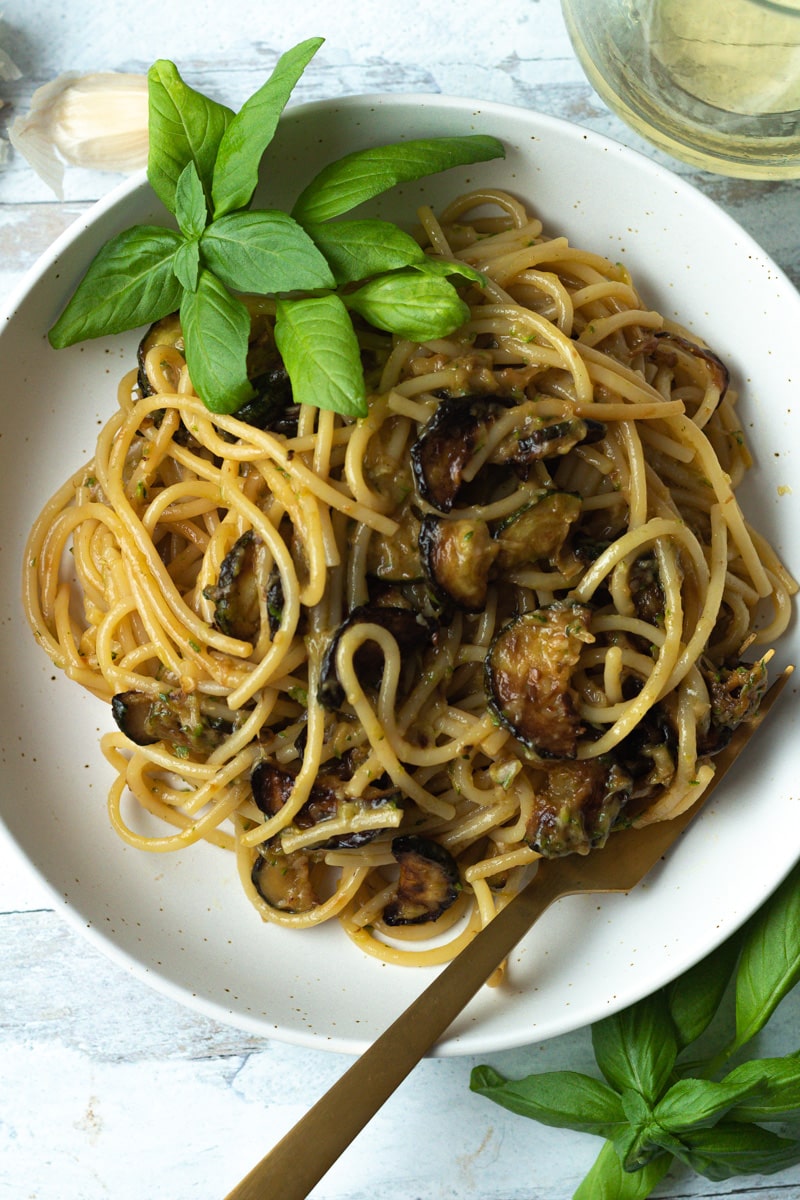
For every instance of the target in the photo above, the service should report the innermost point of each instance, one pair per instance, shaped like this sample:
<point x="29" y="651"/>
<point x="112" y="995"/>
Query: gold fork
<point x="311" y="1148"/>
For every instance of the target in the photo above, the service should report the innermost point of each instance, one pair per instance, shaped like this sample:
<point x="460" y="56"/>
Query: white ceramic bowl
<point x="180" y="922"/>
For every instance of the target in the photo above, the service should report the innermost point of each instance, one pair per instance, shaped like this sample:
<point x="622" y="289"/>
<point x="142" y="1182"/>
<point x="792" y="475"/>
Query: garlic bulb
<point x="97" y="121"/>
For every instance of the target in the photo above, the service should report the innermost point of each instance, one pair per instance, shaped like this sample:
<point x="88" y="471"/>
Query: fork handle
<point x="313" y="1145"/>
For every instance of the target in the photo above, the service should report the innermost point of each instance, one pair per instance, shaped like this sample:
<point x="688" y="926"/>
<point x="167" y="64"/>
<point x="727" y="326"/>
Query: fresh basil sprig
<point x="661" y="1102"/>
<point x="204" y="163"/>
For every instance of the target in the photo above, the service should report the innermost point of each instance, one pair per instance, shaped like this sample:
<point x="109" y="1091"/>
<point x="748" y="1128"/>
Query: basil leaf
<point x="216" y="330"/>
<point x="695" y="996"/>
<point x="129" y="282"/>
<point x="735" y="1148"/>
<point x="643" y="1138"/>
<point x="637" y="1110"/>
<point x="638" y="1145"/>
<point x="264" y="252"/>
<point x="701" y="1103"/>
<point x="366" y="173"/>
<point x="184" y="126"/>
<point x="359" y="249"/>
<point x="636" y="1048"/>
<point x="776" y="1089"/>
<point x="190" y="202"/>
<point x="564" y="1099"/>
<point x="205" y="159"/>
<point x="321" y="354"/>
<point x="769" y="966"/>
<point x="186" y="265"/>
<point x="607" y="1180"/>
<point x="252" y="129"/>
<point x="412" y="306"/>
<point x="446" y="268"/>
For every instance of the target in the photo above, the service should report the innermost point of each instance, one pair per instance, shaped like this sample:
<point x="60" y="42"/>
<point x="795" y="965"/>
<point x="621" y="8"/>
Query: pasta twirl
<point x="391" y="663"/>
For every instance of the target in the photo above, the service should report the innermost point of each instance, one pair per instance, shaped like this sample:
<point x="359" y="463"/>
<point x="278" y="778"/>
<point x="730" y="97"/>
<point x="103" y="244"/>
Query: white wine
<point x="714" y="82"/>
<point x="739" y="56"/>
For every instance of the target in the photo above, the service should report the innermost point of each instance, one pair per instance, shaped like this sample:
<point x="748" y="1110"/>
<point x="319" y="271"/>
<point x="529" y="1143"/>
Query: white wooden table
<point x="108" y="1089"/>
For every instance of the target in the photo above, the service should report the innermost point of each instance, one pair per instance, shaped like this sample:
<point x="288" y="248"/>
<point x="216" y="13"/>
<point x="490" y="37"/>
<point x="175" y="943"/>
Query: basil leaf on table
<point x="184" y="126"/>
<point x="412" y="306"/>
<point x="264" y="252"/>
<point x="607" y="1179"/>
<point x="642" y="1139"/>
<point x="129" y="282"/>
<point x="637" y="1048"/>
<point x="319" y="348"/>
<point x="736" y="1148"/>
<point x="776" y="1090"/>
<point x="715" y="1127"/>
<point x="250" y="132"/>
<point x="216" y="331"/>
<point x="363" y="174"/>
<point x="564" y="1099"/>
<point x="769" y="966"/>
<point x="694" y="998"/>
<point x="700" y="1103"/>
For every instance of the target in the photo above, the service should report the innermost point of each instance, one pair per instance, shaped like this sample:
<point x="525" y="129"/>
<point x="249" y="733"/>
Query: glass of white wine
<point x="714" y="82"/>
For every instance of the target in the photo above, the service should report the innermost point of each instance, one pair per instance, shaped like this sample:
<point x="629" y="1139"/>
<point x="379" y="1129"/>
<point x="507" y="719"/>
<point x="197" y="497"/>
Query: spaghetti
<point x="390" y="663"/>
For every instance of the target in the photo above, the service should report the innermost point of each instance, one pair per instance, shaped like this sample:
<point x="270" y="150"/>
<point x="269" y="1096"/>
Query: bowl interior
<point x="180" y="921"/>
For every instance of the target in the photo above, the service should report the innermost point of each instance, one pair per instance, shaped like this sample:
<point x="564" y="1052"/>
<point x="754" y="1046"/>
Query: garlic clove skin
<point x="97" y="121"/>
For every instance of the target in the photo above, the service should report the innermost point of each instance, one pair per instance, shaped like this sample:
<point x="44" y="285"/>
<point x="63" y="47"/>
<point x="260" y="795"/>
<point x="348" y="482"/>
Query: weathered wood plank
<point x="141" y="1097"/>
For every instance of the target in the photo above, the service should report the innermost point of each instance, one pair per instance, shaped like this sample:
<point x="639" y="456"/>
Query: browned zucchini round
<point x="527" y="677"/>
<point x="668" y="345"/>
<point x="179" y="718"/>
<point x="447" y="443"/>
<point x="284" y="880"/>
<point x="537" y="530"/>
<point x="395" y="558"/>
<point x="237" y="595"/>
<point x="411" y="630"/>
<point x="272" y="786"/>
<point x="428" y="883"/>
<point x="577" y="807"/>
<point x="530" y="444"/>
<point x="458" y="557"/>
